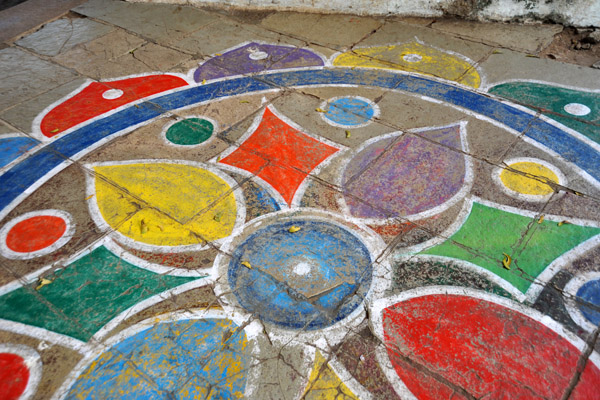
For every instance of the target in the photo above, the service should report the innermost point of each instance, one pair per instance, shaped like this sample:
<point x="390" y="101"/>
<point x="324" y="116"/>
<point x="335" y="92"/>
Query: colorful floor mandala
<point x="330" y="248"/>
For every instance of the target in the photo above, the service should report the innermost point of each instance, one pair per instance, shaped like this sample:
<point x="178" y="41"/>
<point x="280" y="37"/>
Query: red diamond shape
<point x="279" y="154"/>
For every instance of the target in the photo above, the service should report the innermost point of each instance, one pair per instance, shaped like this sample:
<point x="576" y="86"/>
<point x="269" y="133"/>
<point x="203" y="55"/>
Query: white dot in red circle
<point x="112" y="94"/>
<point x="35" y="234"/>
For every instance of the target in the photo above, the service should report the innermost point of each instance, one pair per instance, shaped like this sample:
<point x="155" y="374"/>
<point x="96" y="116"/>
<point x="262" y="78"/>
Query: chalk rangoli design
<point x="354" y="259"/>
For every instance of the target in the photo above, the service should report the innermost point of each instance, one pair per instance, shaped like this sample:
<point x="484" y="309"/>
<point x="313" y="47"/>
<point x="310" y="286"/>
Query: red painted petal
<point x="100" y="97"/>
<point x="440" y="343"/>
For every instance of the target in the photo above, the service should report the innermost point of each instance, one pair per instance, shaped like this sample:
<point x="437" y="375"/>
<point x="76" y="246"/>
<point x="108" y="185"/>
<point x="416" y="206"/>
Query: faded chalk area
<point x="209" y="203"/>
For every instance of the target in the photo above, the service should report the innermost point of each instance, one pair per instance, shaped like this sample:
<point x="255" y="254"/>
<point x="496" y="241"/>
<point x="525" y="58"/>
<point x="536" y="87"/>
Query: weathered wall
<point x="568" y="12"/>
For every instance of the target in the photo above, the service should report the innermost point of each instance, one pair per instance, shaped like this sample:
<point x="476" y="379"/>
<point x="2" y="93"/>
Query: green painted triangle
<point x="85" y="295"/>
<point x="488" y="232"/>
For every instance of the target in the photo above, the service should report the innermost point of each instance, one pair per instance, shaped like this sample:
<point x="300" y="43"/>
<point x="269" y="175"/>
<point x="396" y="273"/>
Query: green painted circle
<point x="190" y="131"/>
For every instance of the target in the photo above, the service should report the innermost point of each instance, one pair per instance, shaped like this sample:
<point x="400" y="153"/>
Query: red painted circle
<point x="14" y="376"/>
<point x="35" y="233"/>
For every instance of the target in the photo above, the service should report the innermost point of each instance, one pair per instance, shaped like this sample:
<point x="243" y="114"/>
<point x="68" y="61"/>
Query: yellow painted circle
<point x="533" y="182"/>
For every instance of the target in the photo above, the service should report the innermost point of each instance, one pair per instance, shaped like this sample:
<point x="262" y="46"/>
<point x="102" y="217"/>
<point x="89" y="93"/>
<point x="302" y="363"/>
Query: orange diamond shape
<point x="280" y="154"/>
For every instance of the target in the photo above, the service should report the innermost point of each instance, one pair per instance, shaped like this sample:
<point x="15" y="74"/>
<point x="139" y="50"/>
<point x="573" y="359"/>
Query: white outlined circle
<point x="412" y="58"/>
<point x="571" y="305"/>
<point x="60" y="242"/>
<point x="33" y="362"/>
<point x="577" y="109"/>
<point x="562" y="180"/>
<point x="163" y="133"/>
<point x="121" y="238"/>
<point x="325" y="106"/>
<point x="112" y="94"/>
<point x="338" y="330"/>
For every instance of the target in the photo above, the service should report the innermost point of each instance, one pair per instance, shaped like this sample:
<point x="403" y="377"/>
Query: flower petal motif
<point x="165" y="204"/>
<point x="413" y="57"/>
<point x="443" y="345"/>
<point x="405" y="174"/>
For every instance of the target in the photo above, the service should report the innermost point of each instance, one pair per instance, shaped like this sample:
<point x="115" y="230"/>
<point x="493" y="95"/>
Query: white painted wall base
<point x="569" y="12"/>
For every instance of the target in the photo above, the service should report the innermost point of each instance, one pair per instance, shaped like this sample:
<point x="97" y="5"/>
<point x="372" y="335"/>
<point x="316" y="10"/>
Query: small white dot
<point x="258" y="55"/>
<point x="412" y="58"/>
<point x="577" y="109"/>
<point x="112" y="94"/>
<point x="302" y="268"/>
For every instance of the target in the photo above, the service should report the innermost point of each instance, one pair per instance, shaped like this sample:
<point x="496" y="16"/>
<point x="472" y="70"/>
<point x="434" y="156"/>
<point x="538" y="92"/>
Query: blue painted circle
<point x="309" y="279"/>
<point x="349" y="111"/>
<point x="590" y="293"/>
<point x="179" y="360"/>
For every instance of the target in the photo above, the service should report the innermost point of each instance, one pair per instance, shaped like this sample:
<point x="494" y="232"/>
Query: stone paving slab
<point x="211" y="204"/>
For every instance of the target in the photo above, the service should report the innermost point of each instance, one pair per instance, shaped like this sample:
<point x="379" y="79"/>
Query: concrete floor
<point x="208" y="204"/>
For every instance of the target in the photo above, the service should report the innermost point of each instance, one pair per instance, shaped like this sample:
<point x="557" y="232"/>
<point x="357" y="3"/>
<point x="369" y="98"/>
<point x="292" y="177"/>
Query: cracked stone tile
<point x="26" y="76"/>
<point x="337" y="31"/>
<point x="63" y="34"/>
<point x="525" y="38"/>
<point x="22" y="115"/>
<point x="504" y="65"/>
<point x="120" y="54"/>
<point x="164" y="23"/>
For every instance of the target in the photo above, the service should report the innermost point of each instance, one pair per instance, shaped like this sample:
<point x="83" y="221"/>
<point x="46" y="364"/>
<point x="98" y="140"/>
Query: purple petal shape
<point x="405" y="175"/>
<point x="256" y="57"/>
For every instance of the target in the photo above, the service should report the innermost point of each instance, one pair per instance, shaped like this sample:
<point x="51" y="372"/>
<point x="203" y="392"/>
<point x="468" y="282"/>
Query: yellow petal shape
<point x="533" y="184"/>
<point x="412" y="57"/>
<point x="165" y="204"/>
<point x="324" y="384"/>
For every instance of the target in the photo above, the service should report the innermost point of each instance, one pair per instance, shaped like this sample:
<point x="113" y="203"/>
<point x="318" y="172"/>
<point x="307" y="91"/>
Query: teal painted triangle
<point x="489" y="232"/>
<point x="85" y="295"/>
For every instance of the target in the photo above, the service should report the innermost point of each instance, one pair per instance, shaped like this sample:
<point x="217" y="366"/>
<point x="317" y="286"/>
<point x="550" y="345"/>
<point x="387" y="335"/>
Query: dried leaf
<point x="203" y="81"/>
<point x="531" y="56"/>
<point x="246" y="264"/>
<point x="541" y="219"/>
<point x="54" y="130"/>
<point x="561" y="223"/>
<point x="294" y="229"/>
<point x="506" y="261"/>
<point x="218" y="54"/>
<point x="244" y="101"/>
<point x="217" y="216"/>
<point x="43" y="282"/>
<point x="347" y="134"/>
<point x="320" y="110"/>
<point x="89" y="197"/>
<point x="496" y="52"/>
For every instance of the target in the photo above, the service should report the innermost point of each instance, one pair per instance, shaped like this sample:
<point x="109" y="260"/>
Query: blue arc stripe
<point x="26" y="173"/>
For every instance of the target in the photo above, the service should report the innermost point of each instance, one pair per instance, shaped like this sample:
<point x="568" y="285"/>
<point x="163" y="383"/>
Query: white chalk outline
<point x="234" y="74"/>
<point x="23" y="155"/>
<point x="570" y="299"/>
<point x="37" y="122"/>
<point x="538" y="283"/>
<point x="32" y="360"/>
<point x="376" y="322"/>
<point x="76" y="344"/>
<point x="253" y="333"/>
<point x="458" y="196"/>
<point x="325" y="106"/>
<point x="163" y="133"/>
<point x="496" y="178"/>
<point x="474" y="65"/>
<point x="104" y="226"/>
<point x="278" y="197"/>
<point x="335" y="332"/>
<point x="68" y="234"/>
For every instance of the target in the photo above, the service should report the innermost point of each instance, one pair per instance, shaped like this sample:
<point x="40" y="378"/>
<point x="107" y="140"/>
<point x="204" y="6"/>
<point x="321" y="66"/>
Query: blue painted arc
<point x="32" y="169"/>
